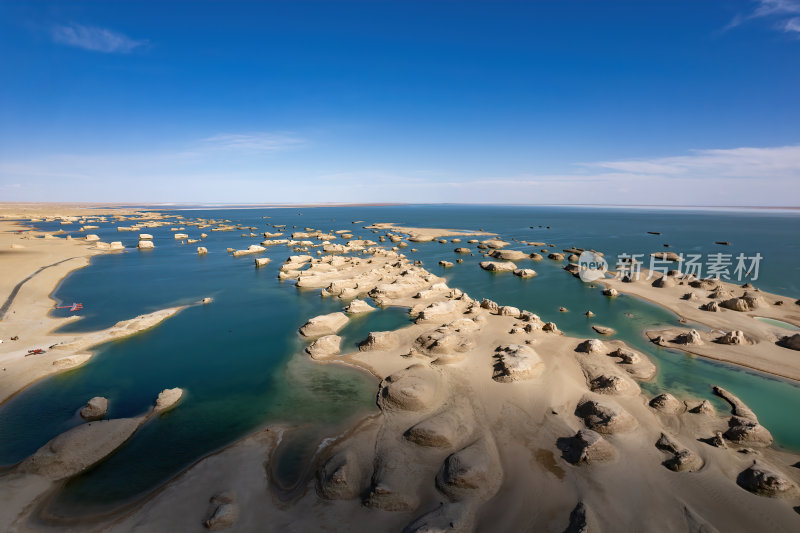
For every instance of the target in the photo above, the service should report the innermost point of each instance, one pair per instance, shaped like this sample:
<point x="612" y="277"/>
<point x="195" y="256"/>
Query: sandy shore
<point x="33" y="263"/>
<point x="425" y="234"/>
<point x="490" y="420"/>
<point x="761" y="350"/>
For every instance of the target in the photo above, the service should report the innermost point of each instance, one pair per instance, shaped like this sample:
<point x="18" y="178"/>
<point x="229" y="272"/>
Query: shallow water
<point x="778" y="323"/>
<point x="240" y="359"/>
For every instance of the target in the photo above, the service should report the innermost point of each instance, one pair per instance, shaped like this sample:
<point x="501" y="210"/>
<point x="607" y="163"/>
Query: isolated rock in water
<point x="262" y="261"/>
<point x="611" y="292"/>
<point x="508" y="255"/>
<point x="462" y="250"/>
<point x="733" y="337"/>
<point x="252" y="249"/>
<point x="202" y="250"/>
<point x="589" y="314"/>
<point x="586" y="447"/>
<point x="76" y="450"/>
<point x="324" y="325"/>
<point x="666" y="403"/>
<point x="95" y="409"/>
<point x="341" y="477"/>
<point x="325" y="347"/>
<point x="494" y="266"/>
<point x="515" y="362"/>
<point x="555" y="256"/>
<point x="380" y="340"/>
<point x="145" y="237"/>
<point x="690" y="337"/>
<point x="592" y="346"/>
<point x="791" y="342"/>
<point x="223" y="512"/>
<point x="445" y="264"/>
<point x="145" y="245"/>
<point x="666" y="256"/>
<point x="573" y="268"/>
<point x="602" y="330"/>
<point x="605" y="417"/>
<point x="358" y="306"/>
<point x="765" y="481"/>
<point x="525" y="272"/>
<point x="167" y="399"/>
<point x="181" y="236"/>
<point x="495" y="243"/>
<point x="207" y="300"/>
<point x="683" y="459"/>
<point x="116" y="245"/>
<point x="92" y="237"/>
<point x="536" y="257"/>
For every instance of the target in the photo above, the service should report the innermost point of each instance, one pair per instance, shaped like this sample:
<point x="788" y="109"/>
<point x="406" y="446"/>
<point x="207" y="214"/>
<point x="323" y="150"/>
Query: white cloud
<point x="792" y="25"/>
<point x="252" y="142"/>
<point x="773" y="9"/>
<point x="95" y="39"/>
<point x="777" y="162"/>
<point x="767" y="176"/>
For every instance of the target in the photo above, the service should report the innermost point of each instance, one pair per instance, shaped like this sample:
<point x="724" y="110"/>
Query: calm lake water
<point x="240" y="359"/>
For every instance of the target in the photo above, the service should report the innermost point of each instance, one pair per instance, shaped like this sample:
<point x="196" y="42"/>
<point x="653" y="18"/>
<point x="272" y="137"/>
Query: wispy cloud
<point x="235" y="170"/>
<point x="95" y="39"/>
<point x="252" y="142"/>
<point x="748" y="163"/>
<point x="792" y="25"/>
<point x="782" y="12"/>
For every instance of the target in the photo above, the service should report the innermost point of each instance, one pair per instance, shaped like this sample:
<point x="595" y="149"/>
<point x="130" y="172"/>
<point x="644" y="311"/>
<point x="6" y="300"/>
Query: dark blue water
<point x="241" y="362"/>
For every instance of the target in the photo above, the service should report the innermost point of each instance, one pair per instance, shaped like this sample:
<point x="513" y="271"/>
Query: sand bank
<point x="761" y="349"/>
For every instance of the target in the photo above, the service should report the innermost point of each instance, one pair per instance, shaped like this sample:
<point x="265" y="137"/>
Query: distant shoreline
<point x="188" y="206"/>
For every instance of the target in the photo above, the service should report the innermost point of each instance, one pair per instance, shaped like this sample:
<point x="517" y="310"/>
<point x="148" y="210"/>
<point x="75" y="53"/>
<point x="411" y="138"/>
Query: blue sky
<point x="674" y="102"/>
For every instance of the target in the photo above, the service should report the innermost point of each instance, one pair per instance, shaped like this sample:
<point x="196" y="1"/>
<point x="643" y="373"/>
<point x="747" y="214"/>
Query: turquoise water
<point x="778" y="323"/>
<point x="240" y="359"/>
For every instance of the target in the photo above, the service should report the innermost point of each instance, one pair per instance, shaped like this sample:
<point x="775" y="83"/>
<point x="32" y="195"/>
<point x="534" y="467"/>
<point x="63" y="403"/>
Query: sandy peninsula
<point x="730" y="313"/>
<point x="33" y="263"/>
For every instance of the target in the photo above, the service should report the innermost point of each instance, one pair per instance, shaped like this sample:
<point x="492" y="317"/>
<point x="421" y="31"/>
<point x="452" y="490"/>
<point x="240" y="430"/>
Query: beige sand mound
<point x="79" y="448"/>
